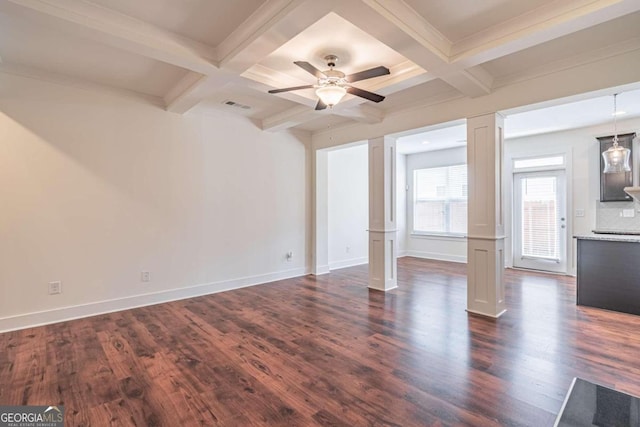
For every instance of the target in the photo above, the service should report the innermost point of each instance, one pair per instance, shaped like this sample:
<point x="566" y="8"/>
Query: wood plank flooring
<point x="327" y="351"/>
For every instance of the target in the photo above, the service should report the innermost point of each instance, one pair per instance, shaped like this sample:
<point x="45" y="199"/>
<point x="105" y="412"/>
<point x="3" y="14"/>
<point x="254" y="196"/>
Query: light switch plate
<point x="579" y="212"/>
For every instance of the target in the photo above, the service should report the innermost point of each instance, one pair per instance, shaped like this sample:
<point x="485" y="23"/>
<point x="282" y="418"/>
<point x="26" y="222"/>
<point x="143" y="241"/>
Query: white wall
<point x="434" y="247"/>
<point x="348" y="201"/>
<point x="583" y="175"/>
<point x="96" y="189"/>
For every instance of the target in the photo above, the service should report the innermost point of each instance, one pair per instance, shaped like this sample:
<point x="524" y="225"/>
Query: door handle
<point x="563" y="226"/>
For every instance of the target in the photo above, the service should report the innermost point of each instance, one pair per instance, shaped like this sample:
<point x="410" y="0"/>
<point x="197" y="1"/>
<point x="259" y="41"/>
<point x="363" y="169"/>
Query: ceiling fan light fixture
<point x="334" y="84"/>
<point x="330" y="95"/>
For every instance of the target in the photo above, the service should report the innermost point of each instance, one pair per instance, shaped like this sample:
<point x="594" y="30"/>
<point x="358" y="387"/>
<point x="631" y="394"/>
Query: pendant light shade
<point x="330" y="95"/>
<point x="616" y="158"/>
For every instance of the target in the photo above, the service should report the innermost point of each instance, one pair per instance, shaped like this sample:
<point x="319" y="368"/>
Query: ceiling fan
<point x="333" y="84"/>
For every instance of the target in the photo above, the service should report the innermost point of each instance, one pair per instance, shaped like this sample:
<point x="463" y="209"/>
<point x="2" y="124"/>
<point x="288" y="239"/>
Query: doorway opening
<point x="540" y="214"/>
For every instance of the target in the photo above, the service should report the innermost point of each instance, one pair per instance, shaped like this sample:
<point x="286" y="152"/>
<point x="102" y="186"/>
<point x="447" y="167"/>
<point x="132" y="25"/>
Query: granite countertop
<point x="609" y="237"/>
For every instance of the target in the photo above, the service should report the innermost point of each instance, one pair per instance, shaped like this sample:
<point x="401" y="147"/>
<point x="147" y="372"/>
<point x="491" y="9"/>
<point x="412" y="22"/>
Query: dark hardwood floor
<point x="327" y="351"/>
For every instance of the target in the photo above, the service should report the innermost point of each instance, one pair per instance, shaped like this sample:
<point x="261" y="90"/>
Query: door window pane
<point x="540" y="232"/>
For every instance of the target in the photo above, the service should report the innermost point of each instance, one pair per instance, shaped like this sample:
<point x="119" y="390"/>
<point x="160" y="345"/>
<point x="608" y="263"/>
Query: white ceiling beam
<point x="272" y="25"/>
<point x="121" y="31"/>
<point x="364" y="113"/>
<point x="417" y="40"/>
<point x="290" y="118"/>
<point x="180" y="97"/>
<point x="75" y="82"/>
<point x="412" y="23"/>
<point x="193" y="88"/>
<point x="553" y="20"/>
<point x="472" y="82"/>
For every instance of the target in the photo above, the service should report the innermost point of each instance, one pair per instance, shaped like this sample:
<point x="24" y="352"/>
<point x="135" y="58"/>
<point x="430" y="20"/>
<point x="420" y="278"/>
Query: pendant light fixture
<point x="616" y="158"/>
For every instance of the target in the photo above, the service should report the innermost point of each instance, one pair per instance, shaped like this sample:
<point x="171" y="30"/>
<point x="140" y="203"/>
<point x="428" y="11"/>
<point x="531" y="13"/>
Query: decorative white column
<point x="485" y="243"/>
<point x="382" y="214"/>
<point x="320" y="257"/>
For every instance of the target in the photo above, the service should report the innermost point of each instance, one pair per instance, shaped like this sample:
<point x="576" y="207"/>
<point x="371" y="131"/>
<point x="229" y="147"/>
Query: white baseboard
<point x="348" y="263"/>
<point x="437" y="256"/>
<point x="321" y="269"/>
<point x="402" y="253"/>
<point x="62" y="314"/>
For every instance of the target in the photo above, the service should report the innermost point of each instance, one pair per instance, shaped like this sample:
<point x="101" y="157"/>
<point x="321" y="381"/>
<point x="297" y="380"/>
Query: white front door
<point x="540" y="221"/>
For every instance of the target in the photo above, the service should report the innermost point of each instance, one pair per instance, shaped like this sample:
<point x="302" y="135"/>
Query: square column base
<point x="383" y="264"/>
<point x="485" y="276"/>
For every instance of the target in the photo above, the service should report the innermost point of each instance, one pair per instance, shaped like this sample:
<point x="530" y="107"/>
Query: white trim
<point x="564" y="403"/>
<point x="321" y="269"/>
<point x="62" y="314"/>
<point x="509" y="173"/>
<point x="437" y="256"/>
<point x="479" y="237"/>
<point x="352" y="262"/>
<point x="435" y="236"/>
<point x="539" y="168"/>
<point x="492" y="316"/>
<point x="382" y="290"/>
<point x="565" y="177"/>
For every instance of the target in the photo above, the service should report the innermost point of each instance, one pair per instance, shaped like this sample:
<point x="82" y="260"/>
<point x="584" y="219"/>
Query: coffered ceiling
<point x="184" y="55"/>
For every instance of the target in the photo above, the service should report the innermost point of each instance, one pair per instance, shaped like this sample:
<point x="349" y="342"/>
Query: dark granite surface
<point x="589" y="404"/>
<point x="622" y="232"/>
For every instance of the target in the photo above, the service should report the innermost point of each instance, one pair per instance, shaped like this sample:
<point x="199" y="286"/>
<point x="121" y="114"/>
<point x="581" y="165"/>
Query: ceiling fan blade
<point x="310" y="69"/>
<point x="365" y="94"/>
<point x="288" y="89"/>
<point x="320" y="105"/>
<point x="367" y="74"/>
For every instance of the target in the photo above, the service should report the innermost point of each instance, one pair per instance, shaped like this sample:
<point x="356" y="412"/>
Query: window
<point x="538" y="162"/>
<point x="440" y="200"/>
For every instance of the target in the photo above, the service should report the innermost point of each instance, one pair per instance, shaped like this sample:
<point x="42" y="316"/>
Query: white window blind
<point x="540" y="211"/>
<point x="440" y="200"/>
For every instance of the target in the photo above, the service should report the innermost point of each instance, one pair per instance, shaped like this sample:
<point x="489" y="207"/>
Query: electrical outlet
<point x="579" y="212"/>
<point x="55" y="288"/>
<point x="628" y="213"/>
<point x="145" y="276"/>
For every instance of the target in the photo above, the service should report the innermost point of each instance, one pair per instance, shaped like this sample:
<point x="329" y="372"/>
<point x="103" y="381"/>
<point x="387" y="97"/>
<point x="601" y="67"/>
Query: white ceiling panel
<point x="597" y="37"/>
<point x="457" y="20"/>
<point x="207" y="21"/>
<point x="356" y="51"/>
<point x="27" y="44"/>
